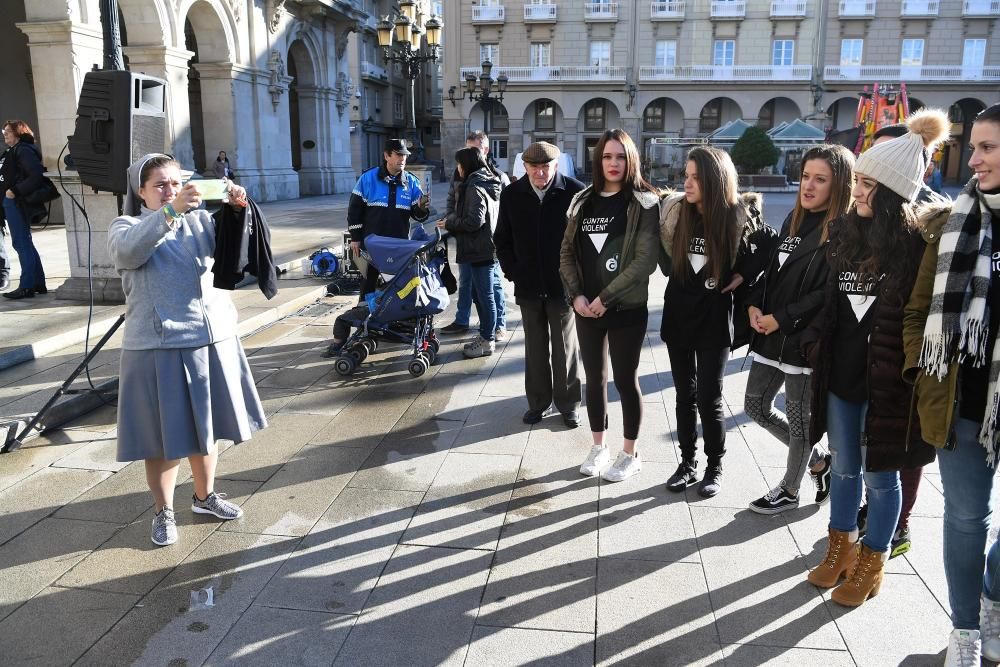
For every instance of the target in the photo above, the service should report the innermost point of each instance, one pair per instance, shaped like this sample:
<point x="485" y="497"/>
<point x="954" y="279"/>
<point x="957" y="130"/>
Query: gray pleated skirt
<point x="177" y="402"/>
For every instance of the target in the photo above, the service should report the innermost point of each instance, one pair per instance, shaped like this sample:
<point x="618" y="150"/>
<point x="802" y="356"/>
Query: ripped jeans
<point x="845" y="422"/>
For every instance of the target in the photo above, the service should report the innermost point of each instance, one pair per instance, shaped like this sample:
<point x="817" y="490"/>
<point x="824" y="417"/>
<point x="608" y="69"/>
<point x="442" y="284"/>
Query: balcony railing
<point x="551" y="73"/>
<point x="919" y="8"/>
<point x="488" y="14"/>
<point x="729" y="9"/>
<point x="373" y="71"/>
<point x="907" y="73"/>
<point x="726" y="73"/>
<point x="981" y="8"/>
<point x="857" y="9"/>
<point x="600" y="11"/>
<point x="541" y="12"/>
<point x="788" y="7"/>
<point x="673" y="10"/>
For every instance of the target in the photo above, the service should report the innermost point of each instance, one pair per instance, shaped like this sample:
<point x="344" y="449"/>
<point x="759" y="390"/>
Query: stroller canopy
<point x="390" y="254"/>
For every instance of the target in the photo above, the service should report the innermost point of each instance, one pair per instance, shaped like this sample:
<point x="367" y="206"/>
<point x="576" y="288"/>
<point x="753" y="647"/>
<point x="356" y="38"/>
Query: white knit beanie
<point x="899" y="164"/>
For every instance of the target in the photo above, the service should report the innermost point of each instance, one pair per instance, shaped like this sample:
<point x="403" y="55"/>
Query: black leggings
<point x="624" y="345"/>
<point x="698" y="377"/>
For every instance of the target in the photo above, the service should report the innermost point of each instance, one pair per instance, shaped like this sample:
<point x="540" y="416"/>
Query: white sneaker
<point x="597" y="460"/>
<point x="624" y="467"/>
<point x="963" y="649"/>
<point x="989" y="629"/>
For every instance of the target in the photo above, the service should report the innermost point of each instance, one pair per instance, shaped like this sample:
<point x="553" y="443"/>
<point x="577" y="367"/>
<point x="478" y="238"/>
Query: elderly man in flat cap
<point x="529" y="232"/>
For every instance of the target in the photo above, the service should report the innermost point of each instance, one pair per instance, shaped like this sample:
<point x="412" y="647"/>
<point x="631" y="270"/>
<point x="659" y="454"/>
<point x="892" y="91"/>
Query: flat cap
<point x="540" y="152"/>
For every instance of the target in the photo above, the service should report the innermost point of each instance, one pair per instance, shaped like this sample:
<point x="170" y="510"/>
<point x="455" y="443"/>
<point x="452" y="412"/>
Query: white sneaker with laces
<point x="989" y="629"/>
<point x="963" y="649"/>
<point x="597" y="460"/>
<point x="624" y="467"/>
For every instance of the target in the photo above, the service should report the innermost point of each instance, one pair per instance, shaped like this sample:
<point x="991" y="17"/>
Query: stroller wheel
<point x="433" y="344"/>
<point x="419" y="366"/>
<point x="359" y="352"/>
<point x="333" y="289"/>
<point x="370" y="344"/>
<point x="431" y="355"/>
<point x="345" y="365"/>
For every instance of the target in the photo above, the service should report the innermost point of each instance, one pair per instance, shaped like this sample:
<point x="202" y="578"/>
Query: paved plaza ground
<point x="400" y="521"/>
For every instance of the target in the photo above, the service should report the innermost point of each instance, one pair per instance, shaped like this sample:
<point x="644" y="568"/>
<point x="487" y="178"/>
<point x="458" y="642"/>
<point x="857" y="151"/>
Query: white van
<point x="565" y="166"/>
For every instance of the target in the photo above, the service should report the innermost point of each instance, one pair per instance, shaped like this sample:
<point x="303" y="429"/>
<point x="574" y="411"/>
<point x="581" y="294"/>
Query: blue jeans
<point x="466" y="297"/>
<point x="481" y="278"/>
<point x="968" y="482"/>
<point x="845" y="422"/>
<point x="32" y="275"/>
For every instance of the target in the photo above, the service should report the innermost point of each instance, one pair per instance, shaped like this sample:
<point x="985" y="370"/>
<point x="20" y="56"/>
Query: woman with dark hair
<point x="477" y="203"/>
<point x="608" y="251"/>
<point x="222" y="167"/>
<point x="21" y="172"/>
<point x="704" y="233"/>
<point x="781" y="306"/>
<point x="855" y="348"/>
<point x="185" y="381"/>
<point x="950" y="336"/>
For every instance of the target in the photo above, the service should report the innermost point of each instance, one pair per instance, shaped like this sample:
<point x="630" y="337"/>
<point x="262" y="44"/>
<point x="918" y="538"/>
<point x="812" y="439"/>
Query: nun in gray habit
<point x="184" y="380"/>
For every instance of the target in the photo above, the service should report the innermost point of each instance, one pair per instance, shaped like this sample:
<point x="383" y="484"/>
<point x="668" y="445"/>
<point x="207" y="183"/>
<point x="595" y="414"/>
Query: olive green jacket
<point x="630" y="289"/>
<point x="934" y="400"/>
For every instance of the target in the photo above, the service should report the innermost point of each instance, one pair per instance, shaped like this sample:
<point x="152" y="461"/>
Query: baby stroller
<point x="403" y="310"/>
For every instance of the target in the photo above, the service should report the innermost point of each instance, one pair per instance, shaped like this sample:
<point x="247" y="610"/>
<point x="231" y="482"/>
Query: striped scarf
<point x="958" y="321"/>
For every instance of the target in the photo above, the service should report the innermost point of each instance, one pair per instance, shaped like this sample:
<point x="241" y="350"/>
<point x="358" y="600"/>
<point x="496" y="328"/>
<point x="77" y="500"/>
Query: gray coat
<point x="167" y="278"/>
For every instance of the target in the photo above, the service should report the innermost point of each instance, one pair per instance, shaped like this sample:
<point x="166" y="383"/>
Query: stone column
<point x="171" y="65"/>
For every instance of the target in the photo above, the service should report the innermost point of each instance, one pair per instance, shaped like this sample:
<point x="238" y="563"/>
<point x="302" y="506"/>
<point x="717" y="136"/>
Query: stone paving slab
<point x="35" y="497"/>
<point x="501" y="647"/>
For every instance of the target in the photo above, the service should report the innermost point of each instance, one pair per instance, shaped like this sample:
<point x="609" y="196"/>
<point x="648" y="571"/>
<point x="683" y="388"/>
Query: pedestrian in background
<point x="477" y="202"/>
<point x="463" y="309"/>
<point x="22" y="172"/>
<point x="528" y="236"/>
<point x="608" y="251"/>
<point x="950" y="335"/>
<point x="782" y="304"/>
<point x="704" y="234"/>
<point x="184" y="380"/>
<point x="855" y="348"/>
<point x="222" y="166"/>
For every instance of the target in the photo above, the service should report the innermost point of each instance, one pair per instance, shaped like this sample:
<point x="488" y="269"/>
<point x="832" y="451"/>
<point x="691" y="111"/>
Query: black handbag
<point x="43" y="194"/>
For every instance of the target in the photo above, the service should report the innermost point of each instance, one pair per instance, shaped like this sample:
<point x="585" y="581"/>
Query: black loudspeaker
<point x="121" y="117"/>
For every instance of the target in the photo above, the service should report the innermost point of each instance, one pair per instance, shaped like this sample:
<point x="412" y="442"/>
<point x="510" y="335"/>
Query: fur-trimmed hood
<point x="931" y="218"/>
<point x="670" y="212"/>
<point x="645" y="199"/>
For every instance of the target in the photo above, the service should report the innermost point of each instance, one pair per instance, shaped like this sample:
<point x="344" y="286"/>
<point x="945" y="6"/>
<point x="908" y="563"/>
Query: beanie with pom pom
<point x="899" y="164"/>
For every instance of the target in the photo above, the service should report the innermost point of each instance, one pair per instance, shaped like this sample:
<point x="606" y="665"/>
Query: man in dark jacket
<point x="528" y="236"/>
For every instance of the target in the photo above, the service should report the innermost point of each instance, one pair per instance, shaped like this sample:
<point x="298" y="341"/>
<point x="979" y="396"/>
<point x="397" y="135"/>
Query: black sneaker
<point x="862" y="520"/>
<point x="711" y="483"/>
<point x="685" y="476"/>
<point x="822" y="481"/>
<point x="532" y="416"/>
<point x="775" y="501"/>
<point x="333" y="350"/>
<point x="454" y="328"/>
<point x="571" y="419"/>
<point x="900" y="542"/>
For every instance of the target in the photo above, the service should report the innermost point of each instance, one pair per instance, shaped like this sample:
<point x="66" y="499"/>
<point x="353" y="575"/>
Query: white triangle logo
<point x="697" y="262"/>
<point x="598" y="241"/>
<point x="860" y="303"/>
<point x="782" y="256"/>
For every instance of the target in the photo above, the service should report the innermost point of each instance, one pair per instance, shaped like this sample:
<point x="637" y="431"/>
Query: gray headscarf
<point x="133" y="203"/>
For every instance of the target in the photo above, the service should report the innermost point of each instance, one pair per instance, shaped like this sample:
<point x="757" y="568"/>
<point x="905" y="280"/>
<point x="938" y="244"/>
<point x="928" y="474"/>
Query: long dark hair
<point x="470" y="159"/>
<point x="841" y="163"/>
<point x="632" y="180"/>
<point x="19" y="128"/>
<point x="719" y="201"/>
<point x="882" y="244"/>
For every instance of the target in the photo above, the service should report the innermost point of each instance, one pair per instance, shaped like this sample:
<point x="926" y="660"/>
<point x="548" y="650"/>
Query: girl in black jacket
<point x="781" y="305"/>
<point x="21" y="173"/>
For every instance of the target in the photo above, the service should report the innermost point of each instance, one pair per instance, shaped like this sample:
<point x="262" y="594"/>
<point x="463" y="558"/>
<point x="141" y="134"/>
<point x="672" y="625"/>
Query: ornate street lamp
<point x="484" y="86"/>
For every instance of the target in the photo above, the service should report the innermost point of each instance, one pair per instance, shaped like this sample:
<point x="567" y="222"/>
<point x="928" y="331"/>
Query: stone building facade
<point x="683" y="68"/>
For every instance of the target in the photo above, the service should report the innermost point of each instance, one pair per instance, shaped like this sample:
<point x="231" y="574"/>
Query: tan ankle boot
<point x="864" y="582"/>
<point x="841" y="554"/>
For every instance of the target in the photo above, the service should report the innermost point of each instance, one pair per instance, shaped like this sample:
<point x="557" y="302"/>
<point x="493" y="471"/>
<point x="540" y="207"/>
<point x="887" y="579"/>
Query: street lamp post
<point x="409" y="52"/>
<point x="484" y="86"/>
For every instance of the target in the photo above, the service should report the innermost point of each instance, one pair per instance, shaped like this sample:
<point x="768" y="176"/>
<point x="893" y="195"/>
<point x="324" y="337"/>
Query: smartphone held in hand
<point x="212" y="189"/>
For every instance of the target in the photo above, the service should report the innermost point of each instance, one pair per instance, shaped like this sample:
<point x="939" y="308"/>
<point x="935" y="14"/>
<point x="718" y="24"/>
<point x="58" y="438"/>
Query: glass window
<point x="498" y="148"/>
<point x="600" y="54"/>
<point x="850" y="51"/>
<point x="594" y="115"/>
<point x="545" y="115"/>
<point x="974" y="52"/>
<point x="541" y="53"/>
<point x="912" y="52"/>
<point x="783" y="52"/>
<point x="397" y="105"/>
<point x="711" y="117"/>
<point x="724" y="52"/>
<point x="666" y="53"/>
<point x="489" y="52"/>
<point x="652" y="119"/>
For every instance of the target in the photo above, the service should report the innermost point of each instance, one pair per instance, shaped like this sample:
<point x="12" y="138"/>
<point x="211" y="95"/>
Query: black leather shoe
<point x="41" y="290"/>
<point x="532" y="417"/>
<point x="22" y="293"/>
<point x="454" y="328"/>
<point x="571" y="419"/>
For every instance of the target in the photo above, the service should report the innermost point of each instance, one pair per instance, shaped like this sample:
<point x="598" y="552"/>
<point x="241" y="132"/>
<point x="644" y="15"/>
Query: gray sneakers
<point x="217" y="506"/>
<point x="479" y="348"/>
<point x="164" y="527"/>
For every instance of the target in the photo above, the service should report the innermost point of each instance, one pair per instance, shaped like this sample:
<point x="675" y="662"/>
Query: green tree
<point x="754" y="151"/>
